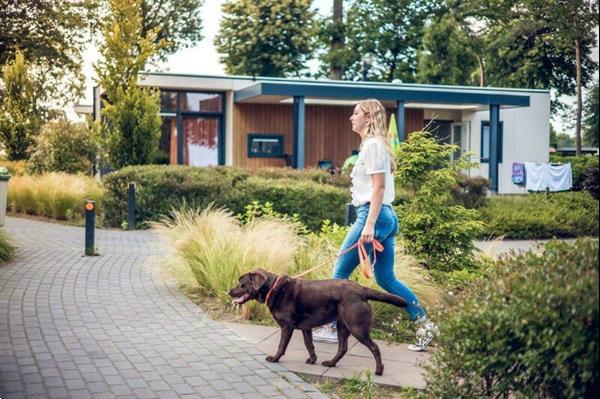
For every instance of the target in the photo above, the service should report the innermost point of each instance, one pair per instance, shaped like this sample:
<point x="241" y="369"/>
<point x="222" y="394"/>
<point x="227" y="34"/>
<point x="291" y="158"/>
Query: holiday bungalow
<point x="257" y="122"/>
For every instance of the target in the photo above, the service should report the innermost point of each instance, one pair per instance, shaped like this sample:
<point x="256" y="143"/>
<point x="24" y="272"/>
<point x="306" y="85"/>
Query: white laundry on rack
<point x="539" y="176"/>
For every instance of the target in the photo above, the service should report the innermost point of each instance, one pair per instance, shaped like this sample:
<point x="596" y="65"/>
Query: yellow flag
<point x="393" y="133"/>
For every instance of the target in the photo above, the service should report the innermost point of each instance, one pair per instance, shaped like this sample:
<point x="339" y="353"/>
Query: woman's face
<point x="359" y="120"/>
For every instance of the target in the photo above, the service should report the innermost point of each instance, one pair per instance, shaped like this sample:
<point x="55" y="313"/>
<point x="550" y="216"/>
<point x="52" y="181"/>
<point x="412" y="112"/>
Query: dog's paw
<point x="328" y="363"/>
<point x="311" y="360"/>
<point x="271" y="359"/>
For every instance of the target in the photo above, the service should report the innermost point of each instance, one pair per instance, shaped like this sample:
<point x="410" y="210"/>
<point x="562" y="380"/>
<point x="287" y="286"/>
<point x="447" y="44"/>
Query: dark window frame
<point x="499" y="144"/>
<point x="279" y="137"/>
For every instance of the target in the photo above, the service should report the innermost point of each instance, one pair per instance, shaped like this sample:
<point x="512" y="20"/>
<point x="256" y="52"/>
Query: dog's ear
<point x="258" y="279"/>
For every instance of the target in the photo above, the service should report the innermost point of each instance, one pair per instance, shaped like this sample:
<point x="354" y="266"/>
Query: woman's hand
<point x="368" y="233"/>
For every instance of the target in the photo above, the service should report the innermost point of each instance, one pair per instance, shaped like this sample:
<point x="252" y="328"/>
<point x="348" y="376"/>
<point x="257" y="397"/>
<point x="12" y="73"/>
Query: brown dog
<point x="304" y="305"/>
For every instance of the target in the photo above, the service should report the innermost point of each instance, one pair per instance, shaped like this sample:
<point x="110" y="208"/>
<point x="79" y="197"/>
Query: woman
<point x="372" y="195"/>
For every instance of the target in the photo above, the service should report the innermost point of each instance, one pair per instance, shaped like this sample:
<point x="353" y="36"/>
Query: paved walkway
<point x="109" y="326"/>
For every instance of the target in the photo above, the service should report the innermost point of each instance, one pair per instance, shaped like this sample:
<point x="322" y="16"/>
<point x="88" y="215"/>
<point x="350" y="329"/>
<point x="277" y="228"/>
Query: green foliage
<point x="7" y="249"/>
<point x="177" y="23"/>
<point x="63" y="146"/>
<point x="131" y="123"/>
<point x="266" y="38"/>
<point x="126" y="48"/>
<point x="579" y="165"/>
<point x="132" y="127"/>
<point x="431" y="227"/>
<point x="450" y="53"/>
<point x="20" y="118"/>
<point x="390" y="31"/>
<point x="51" y="35"/>
<point x="470" y="192"/>
<point x="530" y="330"/>
<point x="15" y="168"/>
<point x="538" y="216"/>
<point x="591" y="108"/>
<point x="161" y="187"/>
<point x="591" y="180"/>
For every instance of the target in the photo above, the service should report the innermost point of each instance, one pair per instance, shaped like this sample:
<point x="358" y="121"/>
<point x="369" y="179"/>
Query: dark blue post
<point x="350" y="216"/>
<point x="299" y="132"/>
<point x="400" y="119"/>
<point x="131" y="207"/>
<point x="90" y="216"/>
<point x="494" y="132"/>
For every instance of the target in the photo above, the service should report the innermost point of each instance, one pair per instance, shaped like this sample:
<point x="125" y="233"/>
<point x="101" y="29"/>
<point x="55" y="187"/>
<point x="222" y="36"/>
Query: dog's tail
<point x="385" y="297"/>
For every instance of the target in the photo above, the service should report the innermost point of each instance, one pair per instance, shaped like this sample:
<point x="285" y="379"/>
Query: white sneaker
<point x="425" y="334"/>
<point x="327" y="333"/>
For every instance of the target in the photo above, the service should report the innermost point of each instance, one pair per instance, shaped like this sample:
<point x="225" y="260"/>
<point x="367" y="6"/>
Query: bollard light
<point x="90" y="216"/>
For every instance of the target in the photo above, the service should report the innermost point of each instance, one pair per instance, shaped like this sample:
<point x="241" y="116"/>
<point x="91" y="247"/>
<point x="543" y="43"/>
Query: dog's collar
<point x="271" y="290"/>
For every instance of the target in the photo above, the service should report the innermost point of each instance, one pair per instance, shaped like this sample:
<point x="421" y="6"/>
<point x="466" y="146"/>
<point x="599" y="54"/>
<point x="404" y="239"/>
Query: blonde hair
<point x="377" y="126"/>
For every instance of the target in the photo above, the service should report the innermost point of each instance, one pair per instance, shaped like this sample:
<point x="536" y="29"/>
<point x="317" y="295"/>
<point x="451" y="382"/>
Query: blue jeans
<point x="386" y="228"/>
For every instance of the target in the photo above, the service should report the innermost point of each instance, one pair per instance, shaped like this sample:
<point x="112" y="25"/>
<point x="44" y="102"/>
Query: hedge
<point x="539" y="216"/>
<point x="529" y="330"/>
<point x="160" y="188"/>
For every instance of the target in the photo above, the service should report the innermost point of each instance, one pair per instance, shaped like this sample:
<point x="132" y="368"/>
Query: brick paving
<point x="110" y="327"/>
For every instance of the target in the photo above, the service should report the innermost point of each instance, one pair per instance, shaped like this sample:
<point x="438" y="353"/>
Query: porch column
<point x="400" y="119"/>
<point x="179" y="140"/>
<point x="494" y="132"/>
<point x="299" y="132"/>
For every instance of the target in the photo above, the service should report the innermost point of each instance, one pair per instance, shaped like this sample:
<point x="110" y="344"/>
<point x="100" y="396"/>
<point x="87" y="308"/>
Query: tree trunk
<point x="337" y="41"/>
<point x="578" y="112"/>
<point x="481" y="71"/>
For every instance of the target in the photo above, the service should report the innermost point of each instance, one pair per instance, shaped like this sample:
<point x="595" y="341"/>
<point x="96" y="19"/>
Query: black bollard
<point x="90" y="221"/>
<point x="131" y="207"/>
<point x="350" y="216"/>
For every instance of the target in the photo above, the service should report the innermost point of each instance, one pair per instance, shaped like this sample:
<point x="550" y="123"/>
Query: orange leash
<point x="365" y="263"/>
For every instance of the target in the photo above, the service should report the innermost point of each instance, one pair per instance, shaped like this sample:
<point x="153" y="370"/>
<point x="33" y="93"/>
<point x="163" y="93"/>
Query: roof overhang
<point x="277" y="92"/>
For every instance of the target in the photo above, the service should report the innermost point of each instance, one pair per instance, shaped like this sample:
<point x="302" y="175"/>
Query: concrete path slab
<point x="110" y="326"/>
<point x="403" y="368"/>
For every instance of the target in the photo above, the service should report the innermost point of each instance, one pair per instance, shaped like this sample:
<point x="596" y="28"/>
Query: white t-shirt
<point x="373" y="158"/>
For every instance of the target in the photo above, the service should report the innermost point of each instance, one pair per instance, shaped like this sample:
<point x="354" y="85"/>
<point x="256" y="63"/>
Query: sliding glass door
<point x="200" y="140"/>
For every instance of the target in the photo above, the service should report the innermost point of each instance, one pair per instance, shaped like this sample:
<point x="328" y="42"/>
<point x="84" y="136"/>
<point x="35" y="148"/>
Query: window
<point x="201" y="102"/>
<point x="485" y="141"/>
<point x="265" y="145"/>
<point x="168" y="101"/>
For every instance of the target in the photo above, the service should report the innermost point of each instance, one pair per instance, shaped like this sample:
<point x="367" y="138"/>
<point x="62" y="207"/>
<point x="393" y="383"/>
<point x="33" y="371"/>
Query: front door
<point x="200" y="140"/>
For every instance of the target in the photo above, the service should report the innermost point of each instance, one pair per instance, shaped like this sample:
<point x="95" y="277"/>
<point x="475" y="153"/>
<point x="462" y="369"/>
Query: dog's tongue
<point x="241" y="299"/>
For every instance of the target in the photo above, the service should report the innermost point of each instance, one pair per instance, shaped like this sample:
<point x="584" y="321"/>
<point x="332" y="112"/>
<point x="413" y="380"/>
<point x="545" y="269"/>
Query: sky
<point x="203" y="58"/>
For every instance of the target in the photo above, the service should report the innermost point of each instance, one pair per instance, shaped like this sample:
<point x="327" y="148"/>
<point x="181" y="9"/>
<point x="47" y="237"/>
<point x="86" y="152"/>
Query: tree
<point x="132" y="127"/>
<point x="389" y="31"/>
<point x="450" y="53"/>
<point x="131" y="124"/>
<point x="20" y="119"/>
<point x="51" y="35"/>
<point x="266" y="38"/>
<point x="591" y="130"/>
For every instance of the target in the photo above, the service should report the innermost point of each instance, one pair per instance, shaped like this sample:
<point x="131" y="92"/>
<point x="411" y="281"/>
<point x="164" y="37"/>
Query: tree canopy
<point x="266" y="38"/>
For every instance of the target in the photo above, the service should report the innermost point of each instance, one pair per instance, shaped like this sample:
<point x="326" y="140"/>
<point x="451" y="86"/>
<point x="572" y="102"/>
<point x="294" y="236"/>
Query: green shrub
<point x="590" y="181"/>
<point x="537" y="215"/>
<point x="63" y="146"/>
<point x="431" y="227"/>
<point x="6" y="247"/>
<point x="161" y="188"/>
<point x="317" y="175"/>
<point x="529" y="330"/>
<point x="470" y="192"/>
<point x="579" y="164"/>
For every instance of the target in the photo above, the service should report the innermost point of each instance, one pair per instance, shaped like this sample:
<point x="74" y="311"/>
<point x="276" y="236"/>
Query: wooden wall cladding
<point x="328" y="131"/>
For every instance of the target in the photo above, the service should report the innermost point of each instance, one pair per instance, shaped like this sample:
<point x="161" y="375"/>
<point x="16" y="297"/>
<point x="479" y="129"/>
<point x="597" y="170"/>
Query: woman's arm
<point x="378" y="188"/>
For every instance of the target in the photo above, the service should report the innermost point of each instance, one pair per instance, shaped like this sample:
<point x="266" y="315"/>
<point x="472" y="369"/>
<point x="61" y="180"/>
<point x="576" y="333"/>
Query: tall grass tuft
<point x="217" y="248"/>
<point x="55" y="195"/>
<point x="6" y="248"/>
